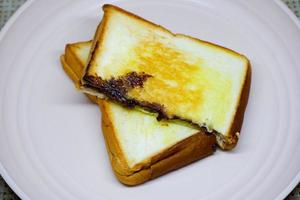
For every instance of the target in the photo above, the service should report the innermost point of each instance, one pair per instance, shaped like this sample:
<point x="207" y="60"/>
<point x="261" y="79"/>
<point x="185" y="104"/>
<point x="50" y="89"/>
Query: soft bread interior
<point x="191" y="79"/>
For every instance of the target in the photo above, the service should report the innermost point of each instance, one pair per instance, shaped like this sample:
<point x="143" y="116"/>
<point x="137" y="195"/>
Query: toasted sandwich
<point x="140" y="148"/>
<point x="140" y="64"/>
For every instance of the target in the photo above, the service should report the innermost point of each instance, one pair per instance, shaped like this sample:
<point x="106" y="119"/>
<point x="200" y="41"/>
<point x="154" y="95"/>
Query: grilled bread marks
<point x="171" y="77"/>
<point x="179" y="82"/>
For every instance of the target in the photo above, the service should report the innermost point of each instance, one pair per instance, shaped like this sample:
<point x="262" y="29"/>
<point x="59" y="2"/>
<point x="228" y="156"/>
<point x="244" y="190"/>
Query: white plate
<point x="51" y="146"/>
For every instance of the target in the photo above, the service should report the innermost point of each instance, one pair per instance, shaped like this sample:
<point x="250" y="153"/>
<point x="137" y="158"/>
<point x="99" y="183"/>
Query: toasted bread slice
<point x="138" y="63"/>
<point x="140" y="148"/>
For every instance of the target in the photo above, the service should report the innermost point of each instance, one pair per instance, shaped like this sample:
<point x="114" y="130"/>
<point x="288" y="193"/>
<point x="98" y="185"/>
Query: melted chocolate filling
<point x="116" y="89"/>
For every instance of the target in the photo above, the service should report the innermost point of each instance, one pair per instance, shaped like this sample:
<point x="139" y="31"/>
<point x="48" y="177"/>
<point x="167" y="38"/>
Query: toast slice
<point x="140" y="147"/>
<point x="141" y="64"/>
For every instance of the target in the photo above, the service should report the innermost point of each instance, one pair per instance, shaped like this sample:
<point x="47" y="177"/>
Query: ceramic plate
<point x="51" y="145"/>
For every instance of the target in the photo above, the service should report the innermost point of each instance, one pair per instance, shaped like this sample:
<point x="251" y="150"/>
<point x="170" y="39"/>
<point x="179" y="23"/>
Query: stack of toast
<point x="166" y="99"/>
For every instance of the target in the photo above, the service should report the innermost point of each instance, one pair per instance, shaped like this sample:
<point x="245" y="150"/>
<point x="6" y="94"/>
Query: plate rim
<point x="14" y="186"/>
<point x="3" y="172"/>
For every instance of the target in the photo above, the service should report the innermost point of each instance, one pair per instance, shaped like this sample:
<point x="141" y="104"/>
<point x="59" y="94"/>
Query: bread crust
<point x="231" y="141"/>
<point x="225" y="142"/>
<point x="184" y="152"/>
<point x="71" y="65"/>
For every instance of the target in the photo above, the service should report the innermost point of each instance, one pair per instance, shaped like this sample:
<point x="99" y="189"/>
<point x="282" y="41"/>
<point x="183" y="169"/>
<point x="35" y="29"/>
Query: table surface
<point x="8" y="7"/>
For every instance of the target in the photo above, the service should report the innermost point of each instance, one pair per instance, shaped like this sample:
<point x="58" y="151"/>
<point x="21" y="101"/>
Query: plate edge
<point x="288" y="12"/>
<point x="289" y="188"/>
<point x="5" y="175"/>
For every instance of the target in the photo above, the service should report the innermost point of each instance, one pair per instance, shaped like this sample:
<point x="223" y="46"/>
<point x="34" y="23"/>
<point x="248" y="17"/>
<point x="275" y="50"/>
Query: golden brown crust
<point x="184" y="152"/>
<point x="117" y="157"/>
<point x="73" y="74"/>
<point x="187" y="155"/>
<point x="107" y="7"/>
<point x="236" y="126"/>
<point x="110" y="6"/>
<point x="98" y="37"/>
<point x="73" y="60"/>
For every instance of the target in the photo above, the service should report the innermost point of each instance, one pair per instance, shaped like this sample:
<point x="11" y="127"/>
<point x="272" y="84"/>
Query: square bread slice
<point x="140" y="147"/>
<point x="141" y="64"/>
